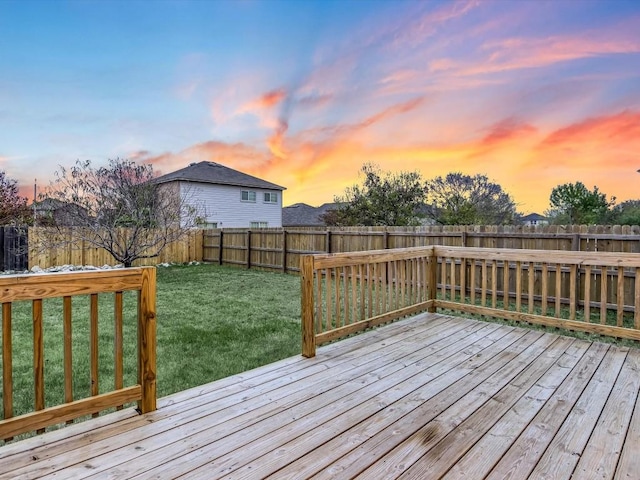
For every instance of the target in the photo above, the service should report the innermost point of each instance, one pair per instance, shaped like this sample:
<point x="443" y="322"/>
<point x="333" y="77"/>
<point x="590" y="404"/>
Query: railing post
<point x="7" y="362"/>
<point x="147" y="340"/>
<point x="432" y="278"/>
<point x="307" y="310"/>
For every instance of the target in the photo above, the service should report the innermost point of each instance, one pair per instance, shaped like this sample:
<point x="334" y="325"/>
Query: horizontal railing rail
<point x="36" y="290"/>
<point x="593" y="292"/>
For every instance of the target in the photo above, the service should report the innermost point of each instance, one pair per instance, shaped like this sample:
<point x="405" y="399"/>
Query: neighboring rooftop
<point x="534" y="216"/>
<point x="303" y="215"/>
<point x="211" y="172"/>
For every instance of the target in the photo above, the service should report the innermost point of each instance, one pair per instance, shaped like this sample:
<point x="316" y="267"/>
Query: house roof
<point x="211" y="172"/>
<point x="533" y="217"/>
<point x="303" y="215"/>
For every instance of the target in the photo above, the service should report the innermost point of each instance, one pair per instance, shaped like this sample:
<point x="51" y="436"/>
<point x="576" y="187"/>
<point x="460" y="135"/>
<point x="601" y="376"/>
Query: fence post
<point x="328" y="242"/>
<point x="432" y="279"/>
<point x="220" y="248"/>
<point x="147" y="340"/>
<point x="284" y="251"/>
<point x="248" y="249"/>
<point x="575" y="243"/>
<point x="306" y="284"/>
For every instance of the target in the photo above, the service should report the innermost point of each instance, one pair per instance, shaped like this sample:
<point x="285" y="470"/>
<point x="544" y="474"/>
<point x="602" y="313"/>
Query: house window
<point x="208" y="225"/>
<point x="248" y="196"/>
<point x="259" y="224"/>
<point x="270" y="197"/>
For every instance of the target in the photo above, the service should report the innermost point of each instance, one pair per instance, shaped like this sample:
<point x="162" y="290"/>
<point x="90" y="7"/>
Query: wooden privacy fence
<point x="75" y="251"/>
<point x="37" y="290"/>
<point x="584" y="291"/>
<point x="281" y="249"/>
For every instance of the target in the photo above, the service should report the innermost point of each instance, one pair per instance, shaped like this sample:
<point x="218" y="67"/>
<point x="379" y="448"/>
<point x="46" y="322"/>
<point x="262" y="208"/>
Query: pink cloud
<point x="518" y="53"/>
<point x="267" y="100"/>
<point x="621" y="128"/>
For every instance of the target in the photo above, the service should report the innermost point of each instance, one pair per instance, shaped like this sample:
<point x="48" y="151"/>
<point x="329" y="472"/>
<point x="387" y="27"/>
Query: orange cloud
<point x="621" y="128"/>
<point x="236" y="155"/>
<point x="524" y="158"/>
<point x="506" y="131"/>
<point x="267" y="100"/>
<point x="276" y="141"/>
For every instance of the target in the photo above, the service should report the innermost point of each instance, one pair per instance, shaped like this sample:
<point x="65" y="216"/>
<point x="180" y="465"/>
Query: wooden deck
<point x="428" y="397"/>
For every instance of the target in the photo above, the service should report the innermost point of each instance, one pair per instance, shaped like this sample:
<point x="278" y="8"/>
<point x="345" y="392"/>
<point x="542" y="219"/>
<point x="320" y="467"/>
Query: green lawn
<point x="217" y="321"/>
<point x="212" y="322"/>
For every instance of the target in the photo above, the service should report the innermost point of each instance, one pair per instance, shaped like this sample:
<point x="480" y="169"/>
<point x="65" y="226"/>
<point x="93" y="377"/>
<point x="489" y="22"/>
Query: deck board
<point x="431" y="396"/>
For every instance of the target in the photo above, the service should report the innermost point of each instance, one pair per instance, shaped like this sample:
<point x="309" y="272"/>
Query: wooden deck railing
<point x="584" y="291"/>
<point x="348" y="292"/>
<point x="69" y="286"/>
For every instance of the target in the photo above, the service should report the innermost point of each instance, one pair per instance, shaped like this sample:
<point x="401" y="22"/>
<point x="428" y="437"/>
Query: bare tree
<point x="459" y="199"/>
<point x="13" y="207"/>
<point x="121" y="209"/>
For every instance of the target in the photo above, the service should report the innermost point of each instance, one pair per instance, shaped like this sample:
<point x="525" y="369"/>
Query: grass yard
<point x="212" y="322"/>
<point x="217" y="321"/>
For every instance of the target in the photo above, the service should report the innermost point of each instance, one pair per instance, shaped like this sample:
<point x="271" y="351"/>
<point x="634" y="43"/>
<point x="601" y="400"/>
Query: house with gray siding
<point x="226" y="197"/>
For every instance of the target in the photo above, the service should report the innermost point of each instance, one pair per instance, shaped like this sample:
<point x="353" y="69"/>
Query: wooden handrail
<point x="348" y="292"/>
<point x="36" y="288"/>
<point x="595" y="292"/>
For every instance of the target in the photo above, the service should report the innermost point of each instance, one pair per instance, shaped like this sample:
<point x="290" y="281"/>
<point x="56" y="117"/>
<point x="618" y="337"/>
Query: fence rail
<point x="585" y="291"/>
<point x="36" y="289"/>
<point x="281" y="249"/>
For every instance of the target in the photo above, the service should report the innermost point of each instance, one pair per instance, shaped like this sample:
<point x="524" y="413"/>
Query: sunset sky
<point x="301" y="93"/>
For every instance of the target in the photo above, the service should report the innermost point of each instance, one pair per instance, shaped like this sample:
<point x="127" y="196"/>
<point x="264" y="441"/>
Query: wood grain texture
<point x="61" y="413"/>
<point x="38" y="356"/>
<point x="147" y="341"/>
<point x="431" y="396"/>
<point x="307" y="306"/>
<point x="51" y="285"/>
<point x="36" y="288"/>
<point x="7" y="363"/>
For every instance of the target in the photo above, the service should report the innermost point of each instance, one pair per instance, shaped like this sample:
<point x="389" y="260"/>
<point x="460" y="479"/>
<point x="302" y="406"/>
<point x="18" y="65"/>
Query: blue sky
<point x="302" y="93"/>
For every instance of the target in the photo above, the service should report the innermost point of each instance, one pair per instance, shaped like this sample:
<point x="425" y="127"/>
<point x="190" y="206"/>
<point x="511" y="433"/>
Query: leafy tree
<point x="384" y="198"/>
<point x="573" y="203"/>
<point x="13" y="207"/>
<point x="459" y="199"/>
<point x="626" y="213"/>
<point x="105" y="201"/>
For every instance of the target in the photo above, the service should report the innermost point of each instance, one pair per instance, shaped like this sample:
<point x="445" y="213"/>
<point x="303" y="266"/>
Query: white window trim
<point x="249" y="200"/>
<point x="271" y="195"/>
<point x="207" y="225"/>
